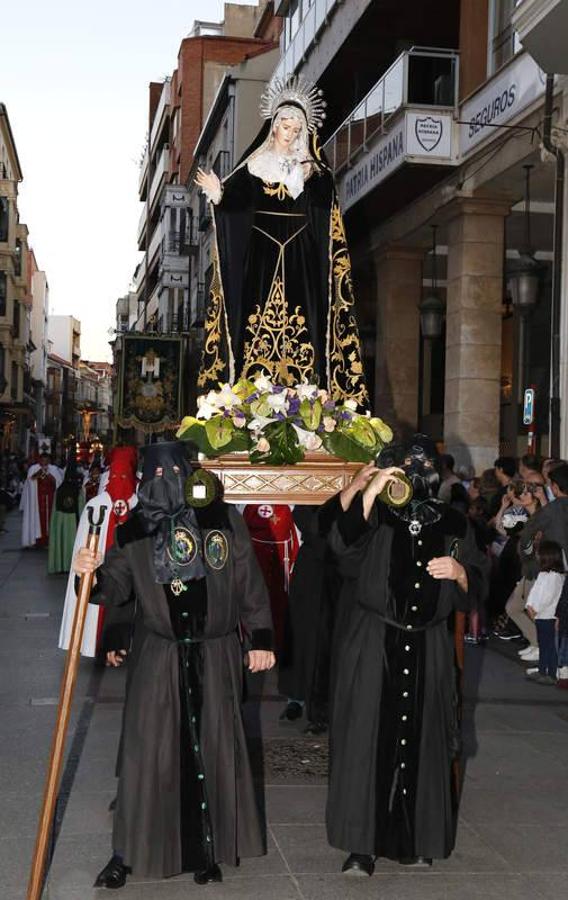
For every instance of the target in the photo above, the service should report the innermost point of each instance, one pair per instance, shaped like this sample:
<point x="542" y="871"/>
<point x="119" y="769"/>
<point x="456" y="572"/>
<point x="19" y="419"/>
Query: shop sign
<point x="379" y="162"/>
<point x="428" y="135"/>
<point x="506" y="95"/>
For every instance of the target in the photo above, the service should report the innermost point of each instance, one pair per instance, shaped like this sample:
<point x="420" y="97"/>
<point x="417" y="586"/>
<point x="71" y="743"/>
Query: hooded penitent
<point x="177" y="538"/>
<point x="281" y="297"/>
<point x="419" y="460"/>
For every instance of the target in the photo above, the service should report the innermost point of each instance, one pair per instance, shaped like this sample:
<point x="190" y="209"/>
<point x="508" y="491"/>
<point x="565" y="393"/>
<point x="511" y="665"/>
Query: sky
<point x="74" y="77"/>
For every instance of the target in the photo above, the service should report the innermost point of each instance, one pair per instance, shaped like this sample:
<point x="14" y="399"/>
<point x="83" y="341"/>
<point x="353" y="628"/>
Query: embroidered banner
<point x="150" y="385"/>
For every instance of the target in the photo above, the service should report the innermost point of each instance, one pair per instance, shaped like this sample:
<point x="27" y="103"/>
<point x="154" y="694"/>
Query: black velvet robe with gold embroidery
<point x="281" y="301"/>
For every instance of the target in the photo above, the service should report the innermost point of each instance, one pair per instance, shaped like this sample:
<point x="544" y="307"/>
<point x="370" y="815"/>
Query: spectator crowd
<point x="519" y="513"/>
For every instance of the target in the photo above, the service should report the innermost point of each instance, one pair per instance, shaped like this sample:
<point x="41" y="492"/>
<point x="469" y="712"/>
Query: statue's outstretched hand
<point x="208" y="182"/>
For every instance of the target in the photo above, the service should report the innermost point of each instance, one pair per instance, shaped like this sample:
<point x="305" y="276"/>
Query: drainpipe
<point x="554" y="420"/>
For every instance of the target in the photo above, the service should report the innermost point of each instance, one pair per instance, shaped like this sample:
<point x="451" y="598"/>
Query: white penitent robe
<point x="89" y="643"/>
<point x="31" y="524"/>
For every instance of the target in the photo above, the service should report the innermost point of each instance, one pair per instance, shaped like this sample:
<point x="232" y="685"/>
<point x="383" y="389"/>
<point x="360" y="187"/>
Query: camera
<point x="523" y="487"/>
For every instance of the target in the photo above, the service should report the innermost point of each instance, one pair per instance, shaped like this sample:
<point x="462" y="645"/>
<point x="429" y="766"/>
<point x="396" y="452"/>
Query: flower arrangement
<point x="277" y="424"/>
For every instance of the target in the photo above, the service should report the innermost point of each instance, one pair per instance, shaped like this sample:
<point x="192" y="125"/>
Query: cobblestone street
<point x="513" y="834"/>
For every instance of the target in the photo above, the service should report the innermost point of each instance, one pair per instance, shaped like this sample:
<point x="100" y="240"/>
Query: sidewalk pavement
<point x="513" y="834"/>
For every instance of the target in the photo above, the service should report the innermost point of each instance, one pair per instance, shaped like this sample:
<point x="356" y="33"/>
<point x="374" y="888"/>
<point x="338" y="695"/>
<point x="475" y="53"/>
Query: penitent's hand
<point x="208" y="181"/>
<point x="260" y="660"/>
<point x="358" y="483"/>
<point x="86" y="561"/>
<point x="377" y="485"/>
<point x="449" y="568"/>
<point x="115" y="658"/>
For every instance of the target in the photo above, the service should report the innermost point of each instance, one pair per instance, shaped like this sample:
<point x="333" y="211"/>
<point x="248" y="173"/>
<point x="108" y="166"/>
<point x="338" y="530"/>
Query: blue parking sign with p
<point x="528" y="407"/>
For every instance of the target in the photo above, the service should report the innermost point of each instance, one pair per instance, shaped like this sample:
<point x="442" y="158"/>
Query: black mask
<point x="162" y="506"/>
<point x="418" y="458"/>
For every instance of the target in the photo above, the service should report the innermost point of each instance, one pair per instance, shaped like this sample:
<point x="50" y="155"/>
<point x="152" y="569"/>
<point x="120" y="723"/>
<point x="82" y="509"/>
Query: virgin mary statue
<point x="281" y="302"/>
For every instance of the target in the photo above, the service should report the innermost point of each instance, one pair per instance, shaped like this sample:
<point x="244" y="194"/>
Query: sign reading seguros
<point x="513" y="89"/>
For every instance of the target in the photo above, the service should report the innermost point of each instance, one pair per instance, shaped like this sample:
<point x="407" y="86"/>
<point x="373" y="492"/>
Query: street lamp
<point x="524" y="281"/>
<point x="431" y="308"/>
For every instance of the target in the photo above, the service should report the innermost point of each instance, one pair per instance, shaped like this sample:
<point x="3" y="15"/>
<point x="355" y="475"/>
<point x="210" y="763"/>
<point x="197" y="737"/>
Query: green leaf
<point x="284" y="446"/>
<point x="219" y="431"/>
<point x="341" y="444"/>
<point x="311" y="414"/>
<point x="197" y="434"/>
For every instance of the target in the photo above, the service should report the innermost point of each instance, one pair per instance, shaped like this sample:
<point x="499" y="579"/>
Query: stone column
<point x="473" y="330"/>
<point x="399" y="287"/>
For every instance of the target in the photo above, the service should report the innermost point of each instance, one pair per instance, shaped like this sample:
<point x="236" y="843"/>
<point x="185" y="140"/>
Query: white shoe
<point x="562" y="672"/>
<point x="531" y="655"/>
<point x="531" y="670"/>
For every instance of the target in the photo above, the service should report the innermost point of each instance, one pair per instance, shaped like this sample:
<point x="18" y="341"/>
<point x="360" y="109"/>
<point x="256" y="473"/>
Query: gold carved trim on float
<point x="313" y="481"/>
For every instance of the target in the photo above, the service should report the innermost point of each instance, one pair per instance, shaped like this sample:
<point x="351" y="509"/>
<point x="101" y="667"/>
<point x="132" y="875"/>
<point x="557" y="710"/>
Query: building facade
<point x="39" y="319"/>
<point x="167" y="231"/>
<point x="16" y="396"/>
<point x="437" y="139"/>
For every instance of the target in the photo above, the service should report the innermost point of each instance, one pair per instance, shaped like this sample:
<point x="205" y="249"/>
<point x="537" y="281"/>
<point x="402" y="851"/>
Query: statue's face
<point x="286" y="132"/>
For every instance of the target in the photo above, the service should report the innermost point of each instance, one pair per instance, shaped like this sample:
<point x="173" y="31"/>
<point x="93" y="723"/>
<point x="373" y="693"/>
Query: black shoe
<point x="315" y="728"/>
<point x="417" y="862"/>
<point x="508" y="634"/>
<point x="358" y="864"/>
<point x="113" y="876"/>
<point x="208" y="876"/>
<point x="112" y="804"/>
<point x="292" y="712"/>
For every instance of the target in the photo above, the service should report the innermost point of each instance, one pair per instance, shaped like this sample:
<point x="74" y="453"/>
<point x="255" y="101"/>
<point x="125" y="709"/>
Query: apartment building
<point x="446" y="167"/>
<point x="178" y="107"/>
<point x="16" y="400"/>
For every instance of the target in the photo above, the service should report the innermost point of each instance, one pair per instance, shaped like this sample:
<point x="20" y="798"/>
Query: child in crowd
<point x="562" y="628"/>
<point x="541" y="606"/>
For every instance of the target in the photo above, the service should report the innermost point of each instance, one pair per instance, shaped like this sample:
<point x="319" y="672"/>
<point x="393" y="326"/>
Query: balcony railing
<point x="222" y="164"/>
<point x="419" y="77"/>
<point x="181" y="242"/>
<point x="204" y="213"/>
<point x="161" y="170"/>
<point x="313" y="21"/>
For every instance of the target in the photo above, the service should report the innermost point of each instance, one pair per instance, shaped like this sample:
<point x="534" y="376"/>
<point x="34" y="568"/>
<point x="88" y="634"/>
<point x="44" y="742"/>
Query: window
<point x="16" y="318"/>
<point x="3" y="293"/>
<point x="4" y="218"/>
<point x="504" y="42"/>
<point x="18" y="258"/>
<point x="14" y="385"/>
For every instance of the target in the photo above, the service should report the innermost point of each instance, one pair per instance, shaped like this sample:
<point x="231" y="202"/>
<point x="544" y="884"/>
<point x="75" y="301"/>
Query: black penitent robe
<point x="304" y="669"/>
<point x="281" y="301"/>
<point x="185" y="794"/>
<point x="395" y="717"/>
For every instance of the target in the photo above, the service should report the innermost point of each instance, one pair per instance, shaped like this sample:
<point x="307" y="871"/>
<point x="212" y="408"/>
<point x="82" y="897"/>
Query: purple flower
<point x="346" y="416"/>
<point x="280" y="416"/>
<point x="294" y="405"/>
<point x="278" y="388"/>
<point x="329" y="405"/>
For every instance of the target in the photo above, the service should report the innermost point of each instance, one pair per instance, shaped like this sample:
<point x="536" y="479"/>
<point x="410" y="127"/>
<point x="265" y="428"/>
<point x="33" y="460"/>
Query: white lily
<point x="207" y="406"/>
<point x="351" y="404"/>
<point x="227" y="398"/>
<point x="308" y="439"/>
<point x="278" y="402"/>
<point x="259" y="422"/>
<point x="263" y="384"/>
<point x="306" y="391"/>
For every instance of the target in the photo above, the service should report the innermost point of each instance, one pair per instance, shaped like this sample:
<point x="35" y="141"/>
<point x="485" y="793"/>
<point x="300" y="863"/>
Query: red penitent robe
<point x="46" y="487"/>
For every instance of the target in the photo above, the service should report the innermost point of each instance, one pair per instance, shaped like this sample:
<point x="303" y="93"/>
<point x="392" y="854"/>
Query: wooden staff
<point x="35" y="884"/>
